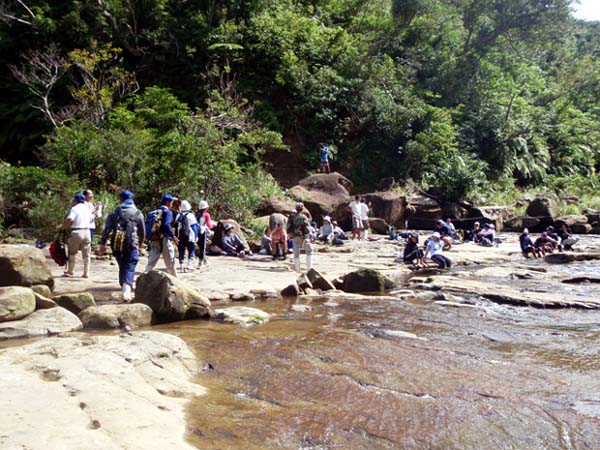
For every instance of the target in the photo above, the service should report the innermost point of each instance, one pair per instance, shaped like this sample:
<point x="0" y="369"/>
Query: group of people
<point x="549" y="241"/>
<point x="440" y="240"/>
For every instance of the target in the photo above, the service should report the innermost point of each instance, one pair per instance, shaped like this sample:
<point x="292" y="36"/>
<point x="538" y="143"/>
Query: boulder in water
<point x="242" y="315"/>
<point x="366" y="280"/>
<point x="170" y="298"/>
<point x="290" y="291"/>
<point x="43" y="322"/>
<point x="16" y="302"/>
<point x="75" y="302"/>
<point x="24" y="266"/>
<point x="318" y="280"/>
<point x="116" y="316"/>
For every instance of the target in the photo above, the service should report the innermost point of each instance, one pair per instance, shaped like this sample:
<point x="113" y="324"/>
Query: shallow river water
<point x="385" y="373"/>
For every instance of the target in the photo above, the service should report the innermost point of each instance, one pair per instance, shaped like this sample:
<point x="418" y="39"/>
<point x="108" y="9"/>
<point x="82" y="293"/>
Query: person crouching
<point x="435" y="249"/>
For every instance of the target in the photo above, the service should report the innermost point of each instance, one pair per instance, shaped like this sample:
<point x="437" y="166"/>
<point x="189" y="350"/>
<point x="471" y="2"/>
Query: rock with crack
<point x="24" y="266"/>
<point x="242" y="315"/>
<point x="75" y="302"/>
<point x="16" y="302"/>
<point x="116" y="316"/>
<point x="43" y="322"/>
<point x="112" y="392"/>
<point x="170" y="298"/>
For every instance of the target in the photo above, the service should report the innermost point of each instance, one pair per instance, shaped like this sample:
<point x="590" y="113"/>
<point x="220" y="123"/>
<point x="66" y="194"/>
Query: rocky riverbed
<point x="499" y="352"/>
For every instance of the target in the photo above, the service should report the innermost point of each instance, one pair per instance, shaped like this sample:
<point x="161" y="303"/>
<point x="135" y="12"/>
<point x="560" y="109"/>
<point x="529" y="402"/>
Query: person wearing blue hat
<point x="126" y="230"/>
<point x="163" y="243"/>
<point x="78" y="220"/>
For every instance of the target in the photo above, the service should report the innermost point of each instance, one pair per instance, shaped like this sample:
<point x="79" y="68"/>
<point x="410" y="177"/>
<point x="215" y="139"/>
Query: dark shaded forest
<point x="466" y="99"/>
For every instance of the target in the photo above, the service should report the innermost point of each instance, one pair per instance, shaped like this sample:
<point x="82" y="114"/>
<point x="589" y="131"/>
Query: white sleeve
<point x="72" y="214"/>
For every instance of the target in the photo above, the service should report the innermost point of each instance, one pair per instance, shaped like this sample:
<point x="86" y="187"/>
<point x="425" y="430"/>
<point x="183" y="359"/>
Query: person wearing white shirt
<point x="95" y="209"/>
<point x="78" y="219"/>
<point x="364" y="217"/>
<point x="435" y="250"/>
<point x="357" y="225"/>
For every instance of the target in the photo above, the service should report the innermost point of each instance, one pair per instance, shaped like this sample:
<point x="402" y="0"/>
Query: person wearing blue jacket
<point x="164" y="246"/>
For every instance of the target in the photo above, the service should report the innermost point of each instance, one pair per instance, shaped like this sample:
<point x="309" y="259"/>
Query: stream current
<point x="386" y="373"/>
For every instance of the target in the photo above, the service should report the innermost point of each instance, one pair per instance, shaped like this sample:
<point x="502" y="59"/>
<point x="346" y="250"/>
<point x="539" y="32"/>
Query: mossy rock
<point x="366" y="280"/>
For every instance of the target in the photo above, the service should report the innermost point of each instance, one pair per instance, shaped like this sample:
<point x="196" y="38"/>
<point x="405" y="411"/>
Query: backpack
<point x="123" y="234"/>
<point x="58" y="252"/>
<point x="154" y="223"/>
<point x="183" y="227"/>
<point x="300" y="225"/>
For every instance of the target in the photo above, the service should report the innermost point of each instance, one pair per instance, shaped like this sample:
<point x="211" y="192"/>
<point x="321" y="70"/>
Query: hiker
<point x="567" y="239"/>
<point x="473" y="235"/>
<point x="526" y="244"/>
<point x="324" y="157"/>
<point x="338" y="232"/>
<point x="78" y="219"/>
<point x="543" y="245"/>
<point x="298" y="229"/>
<point x="125" y="227"/>
<point x="435" y="248"/>
<point x="445" y="233"/>
<point x="326" y="232"/>
<point x="187" y="234"/>
<point x="95" y="209"/>
<point x="357" y="226"/>
<point x="487" y="236"/>
<point x="160" y="234"/>
<point x="413" y="252"/>
<point x="364" y="217"/>
<point x="232" y="244"/>
<point x="279" y="241"/>
<point x="205" y="227"/>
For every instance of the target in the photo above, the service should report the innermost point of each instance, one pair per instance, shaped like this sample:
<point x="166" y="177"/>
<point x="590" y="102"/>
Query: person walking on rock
<point x="78" y="220"/>
<point x="187" y="234"/>
<point x="125" y="227"/>
<point x="205" y="226"/>
<point x="162" y="239"/>
<point x="298" y="228"/>
<point x="95" y="209"/>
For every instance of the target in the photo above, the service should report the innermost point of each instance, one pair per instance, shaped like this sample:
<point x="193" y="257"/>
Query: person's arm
<point x="141" y="228"/>
<point x="68" y="220"/>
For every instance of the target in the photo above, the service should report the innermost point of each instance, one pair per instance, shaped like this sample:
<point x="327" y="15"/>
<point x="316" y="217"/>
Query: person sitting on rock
<point x="527" y="246"/>
<point x="338" y="232"/>
<point x="543" y="245"/>
<point x="445" y="233"/>
<point x="413" y="252"/>
<point x="435" y="250"/>
<point x="473" y="235"/>
<point x="265" y="243"/>
<point x="567" y="239"/>
<point x="232" y="244"/>
<point x="487" y="236"/>
<point x="451" y="225"/>
<point x="279" y="242"/>
<point x="326" y="234"/>
<point x="553" y="238"/>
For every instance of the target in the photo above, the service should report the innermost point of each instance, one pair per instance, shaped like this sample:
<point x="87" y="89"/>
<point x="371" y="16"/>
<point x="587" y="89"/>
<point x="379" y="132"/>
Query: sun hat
<point x="327" y="219"/>
<point x="185" y="205"/>
<point x="436" y="235"/>
<point x="203" y="204"/>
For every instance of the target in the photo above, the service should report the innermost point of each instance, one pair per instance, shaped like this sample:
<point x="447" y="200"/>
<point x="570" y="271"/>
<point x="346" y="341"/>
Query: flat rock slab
<point x="565" y="258"/>
<point x="44" y="322"/>
<point x="242" y="315"/>
<point x="116" y="316"/>
<point x="101" y="392"/>
<point x="506" y="294"/>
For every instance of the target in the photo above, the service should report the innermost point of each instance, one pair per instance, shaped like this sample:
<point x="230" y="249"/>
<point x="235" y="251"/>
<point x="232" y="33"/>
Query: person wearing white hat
<point x="326" y="231"/>
<point x="205" y="226"/>
<point x="435" y="250"/>
<point x="186" y="227"/>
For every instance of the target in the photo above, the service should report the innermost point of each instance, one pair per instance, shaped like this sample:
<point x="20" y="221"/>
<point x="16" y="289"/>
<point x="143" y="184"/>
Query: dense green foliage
<point x="456" y="95"/>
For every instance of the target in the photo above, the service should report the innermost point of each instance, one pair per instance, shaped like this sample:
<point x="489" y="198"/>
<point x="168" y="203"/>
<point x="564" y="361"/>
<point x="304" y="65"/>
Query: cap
<point x="79" y="198"/>
<point x="476" y="223"/>
<point x="185" y="205"/>
<point x="439" y="222"/>
<point x="126" y="195"/>
<point x="326" y="219"/>
<point x="299" y="207"/>
<point x="550" y="228"/>
<point x="166" y="198"/>
<point x="436" y="235"/>
<point x="228" y="227"/>
<point x="203" y="204"/>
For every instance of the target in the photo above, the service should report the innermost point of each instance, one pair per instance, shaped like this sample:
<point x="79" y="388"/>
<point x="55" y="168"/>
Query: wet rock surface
<point x="241" y="315"/>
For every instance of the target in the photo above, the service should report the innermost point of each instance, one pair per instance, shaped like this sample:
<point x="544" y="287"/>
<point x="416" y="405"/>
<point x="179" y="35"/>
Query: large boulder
<point x="389" y="206"/>
<point x="16" y="302"/>
<point x="23" y="266"/>
<point x="242" y="315"/>
<point x="378" y="226"/>
<point x="542" y="208"/>
<point x="496" y="215"/>
<point x="219" y="230"/>
<point x="578" y="223"/>
<point x="276" y="204"/>
<point x="116" y="316"/>
<point x="43" y="322"/>
<point x="75" y="302"/>
<point x="422" y="212"/>
<point x="170" y="298"/>
<point x="322" y="194"/>
<point x="366" y="280"/>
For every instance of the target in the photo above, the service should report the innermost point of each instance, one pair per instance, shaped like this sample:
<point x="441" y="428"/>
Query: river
<point x="386" y="373"/>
